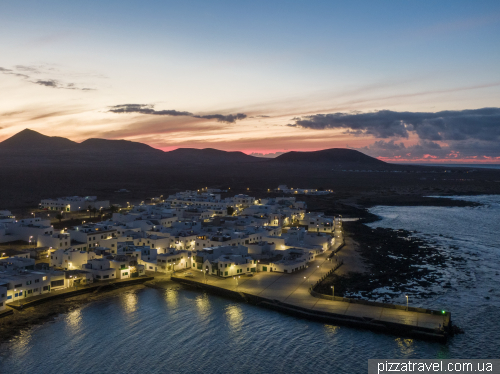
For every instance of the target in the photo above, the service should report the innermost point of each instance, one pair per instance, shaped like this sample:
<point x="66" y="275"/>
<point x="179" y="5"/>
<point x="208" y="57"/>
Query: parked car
<point x="189" y="274"/>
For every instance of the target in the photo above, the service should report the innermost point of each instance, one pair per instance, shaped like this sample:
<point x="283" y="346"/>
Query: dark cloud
<point x="42" y="82"/>
<point x="469" y="149"/>
<point x="149" y="109"/>
<point x="390" y="145"/>
<point x="21" y="75"/>
<point x="230" y="118"/>
<point x="12" y="72"/>
<point x="47" y="83"/>
<point x="146" y="109"/>
<point x="479" y="124"/>
<point x="56" y="84"/>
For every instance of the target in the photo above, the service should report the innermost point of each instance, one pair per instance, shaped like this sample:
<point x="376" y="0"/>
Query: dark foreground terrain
<point x="22" y="186"/>
<point x="34" y="166"/>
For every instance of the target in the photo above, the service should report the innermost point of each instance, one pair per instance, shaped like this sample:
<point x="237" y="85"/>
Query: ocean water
<point x="470" y="234"/>
<point x="472" y="166"/>
<point x="185" y="331"/>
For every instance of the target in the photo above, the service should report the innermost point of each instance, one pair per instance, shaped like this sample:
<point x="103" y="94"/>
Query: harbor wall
<point x="323" y="317"/>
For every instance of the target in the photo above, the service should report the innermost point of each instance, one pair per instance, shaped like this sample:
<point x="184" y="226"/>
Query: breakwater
<point x="356" y="321"/>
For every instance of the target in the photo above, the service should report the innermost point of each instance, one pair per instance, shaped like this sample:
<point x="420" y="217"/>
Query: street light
<point x="333" y="291"/>
<point x="406" y="302"/>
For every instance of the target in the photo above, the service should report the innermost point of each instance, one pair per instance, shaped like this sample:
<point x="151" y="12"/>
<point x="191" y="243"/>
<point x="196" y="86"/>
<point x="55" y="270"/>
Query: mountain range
<point x="31" y="143"/>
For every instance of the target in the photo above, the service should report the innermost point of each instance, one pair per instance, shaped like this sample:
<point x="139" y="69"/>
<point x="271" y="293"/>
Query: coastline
<point x="12" y="325"/>
<point x="393" y="260"/>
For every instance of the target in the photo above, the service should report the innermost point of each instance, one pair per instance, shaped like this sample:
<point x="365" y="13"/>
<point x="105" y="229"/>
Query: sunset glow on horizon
<point x="406" y="82"/>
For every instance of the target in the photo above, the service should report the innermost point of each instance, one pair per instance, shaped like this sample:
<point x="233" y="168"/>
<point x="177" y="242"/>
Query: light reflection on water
<point x="405" y="345"/>
<point x="130" y="302"/>
<point x="234" y="316"/>
<point x="73" y="319"/>
<point x="203" y="304"/>
<point x="331" y="330"/>
<point x="171" y="297"/>
<point x="185" y="331"/>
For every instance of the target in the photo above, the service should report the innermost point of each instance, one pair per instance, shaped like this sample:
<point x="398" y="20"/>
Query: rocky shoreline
<point x="399" y="264"/>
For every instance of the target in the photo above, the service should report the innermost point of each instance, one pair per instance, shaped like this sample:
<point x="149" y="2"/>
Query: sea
<point x="472" y="166"/>
<point x="179" y="330"/>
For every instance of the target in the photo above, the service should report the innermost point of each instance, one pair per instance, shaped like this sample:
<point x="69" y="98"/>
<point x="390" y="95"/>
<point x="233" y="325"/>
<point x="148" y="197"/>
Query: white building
<point x="100" y="269"/>
<point x="71" y="259"/>
<point x="317" y="222"/>
<point x="74" y="203"/>
<point x="172" y="261"/>
<point x="231" y="265"/>
<point x="290" y="261"/>
<point x="28" y="229"/>
<point x="123" y="266"/>
<point x="223" y="261"/>
<point x="301" y="191"/>
<point x="24" y="284"/>
<point x="6" y="216"/>
<point x="56" y="240"/>
<point x="92" y="234"/>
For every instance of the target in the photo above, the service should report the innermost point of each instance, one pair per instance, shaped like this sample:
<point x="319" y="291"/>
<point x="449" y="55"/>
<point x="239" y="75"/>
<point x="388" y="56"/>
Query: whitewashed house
<point x="56" y="240"/>
<point x="24" y="284"/>
<point x="172" y="261"/>
<point x="100" y="269"/>
<point x="74" y="203"/>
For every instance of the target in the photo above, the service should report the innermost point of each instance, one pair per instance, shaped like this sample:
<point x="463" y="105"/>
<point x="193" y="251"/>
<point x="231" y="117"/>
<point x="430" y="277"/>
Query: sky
<point x="410" y="81"/>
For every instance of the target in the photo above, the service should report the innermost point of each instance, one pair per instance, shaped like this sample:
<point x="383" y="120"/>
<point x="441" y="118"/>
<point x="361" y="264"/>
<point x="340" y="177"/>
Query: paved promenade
<point x="294" y="289"/>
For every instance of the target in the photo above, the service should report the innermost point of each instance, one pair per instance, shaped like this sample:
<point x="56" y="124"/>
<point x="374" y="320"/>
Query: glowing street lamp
<point x="406" y="302"/>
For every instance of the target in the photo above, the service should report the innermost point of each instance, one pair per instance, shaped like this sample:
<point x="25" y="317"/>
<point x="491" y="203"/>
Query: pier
<point x="293" y="294"/>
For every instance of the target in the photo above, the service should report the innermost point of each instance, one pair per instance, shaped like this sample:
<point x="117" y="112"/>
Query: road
<point x="294" y="289"/>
